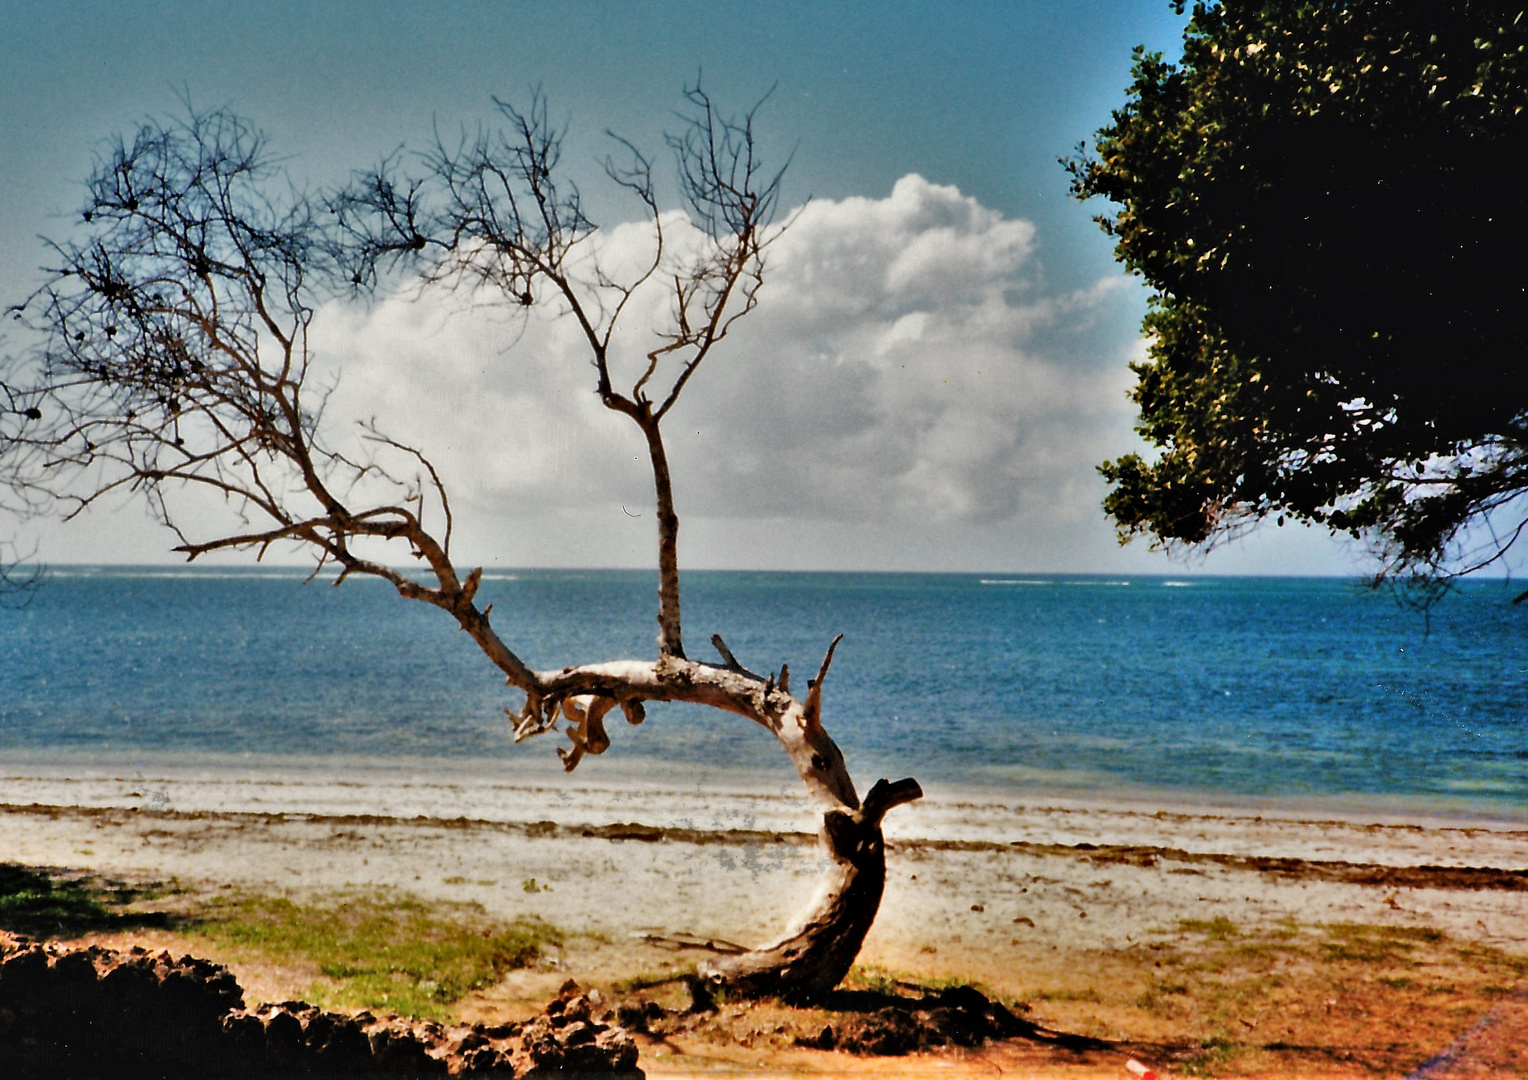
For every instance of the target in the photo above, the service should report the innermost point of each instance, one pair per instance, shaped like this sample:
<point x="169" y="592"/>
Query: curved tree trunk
<point x="816" y="953"/>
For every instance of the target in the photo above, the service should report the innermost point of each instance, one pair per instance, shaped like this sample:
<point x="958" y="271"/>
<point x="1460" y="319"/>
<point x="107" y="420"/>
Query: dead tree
<point x="174" y="357"/>
<point x="19" y="574"/>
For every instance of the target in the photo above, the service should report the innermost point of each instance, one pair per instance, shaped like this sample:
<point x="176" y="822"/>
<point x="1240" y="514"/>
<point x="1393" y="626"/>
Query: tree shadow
<point x="909" y="1018"/>
<point x="44" y="902"/>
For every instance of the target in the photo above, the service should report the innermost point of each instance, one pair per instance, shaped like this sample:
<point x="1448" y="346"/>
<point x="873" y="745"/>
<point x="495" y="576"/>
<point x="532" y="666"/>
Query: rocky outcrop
<point x="78" y="1012"/>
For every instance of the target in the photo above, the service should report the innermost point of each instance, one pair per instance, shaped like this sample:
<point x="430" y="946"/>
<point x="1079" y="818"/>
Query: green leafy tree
<point x="1323" y="197"/>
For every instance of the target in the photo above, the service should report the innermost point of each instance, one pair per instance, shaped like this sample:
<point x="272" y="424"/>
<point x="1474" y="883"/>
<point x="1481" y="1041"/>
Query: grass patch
<point x="1216" y="929"/>
<point x="1368" y="944"/>
<point x="874" y="980"/>
<point x="1089" y="995"/>
<point x="383" y="951"/>
<point x="1212" y="1056"/>
<point x="41" y="904"/>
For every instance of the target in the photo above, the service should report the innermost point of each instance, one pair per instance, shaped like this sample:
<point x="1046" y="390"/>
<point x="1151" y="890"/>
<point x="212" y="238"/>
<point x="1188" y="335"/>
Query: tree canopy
<point x="1320" y="194"/>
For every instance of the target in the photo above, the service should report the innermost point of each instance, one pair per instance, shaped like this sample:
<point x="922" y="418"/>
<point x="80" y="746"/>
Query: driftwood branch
<point x="730" y="660"/>
<point x="884" y="796"/>
<point x="726" y="653"/>
<point x="814" y="686"/>
<point x="677" y="942"/>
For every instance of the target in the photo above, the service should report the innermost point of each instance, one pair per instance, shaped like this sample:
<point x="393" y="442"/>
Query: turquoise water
<point x="1261" y="687"/>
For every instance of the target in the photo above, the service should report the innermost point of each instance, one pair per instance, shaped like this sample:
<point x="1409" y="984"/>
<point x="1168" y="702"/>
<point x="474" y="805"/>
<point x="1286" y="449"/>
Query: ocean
<point x="1287" y="690"/>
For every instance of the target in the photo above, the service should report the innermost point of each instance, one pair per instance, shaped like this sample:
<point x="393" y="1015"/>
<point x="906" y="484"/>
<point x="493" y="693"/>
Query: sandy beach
<point x="1069" y="905"/>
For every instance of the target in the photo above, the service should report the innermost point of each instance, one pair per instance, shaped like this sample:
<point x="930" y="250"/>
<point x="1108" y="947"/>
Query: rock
<point x="68" y="1011"/>
<point x="636" y="1016"/>
<point x="23" y="972"/>
<point x="283" y="1038"/>
<point x="396" y="1049"/>
<point x="825" y="1039"/>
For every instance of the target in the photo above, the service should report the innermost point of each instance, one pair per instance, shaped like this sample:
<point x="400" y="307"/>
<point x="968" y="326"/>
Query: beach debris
<point x="680" y="941"/>
<point x="86" y="1010"/>
<point x="1135" y="1068"/>
<point x="956" y="1016"/>
<point x="702" y="1000"/>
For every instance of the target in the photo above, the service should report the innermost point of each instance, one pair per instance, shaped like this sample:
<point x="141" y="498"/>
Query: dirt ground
<point x="1197" y="945"/>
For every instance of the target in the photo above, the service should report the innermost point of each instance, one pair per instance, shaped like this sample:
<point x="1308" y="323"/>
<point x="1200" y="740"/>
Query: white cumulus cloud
<point x="910" y="394"/>
<point x="906" y="369"/>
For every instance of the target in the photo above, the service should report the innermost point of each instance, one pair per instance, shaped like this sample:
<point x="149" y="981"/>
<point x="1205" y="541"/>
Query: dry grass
<point x="1201" y="997"/>
<point x="1216" y="998"/>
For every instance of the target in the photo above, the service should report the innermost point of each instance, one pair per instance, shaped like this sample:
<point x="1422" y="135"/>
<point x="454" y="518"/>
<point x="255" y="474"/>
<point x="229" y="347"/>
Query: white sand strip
<point x="709" y="799"/>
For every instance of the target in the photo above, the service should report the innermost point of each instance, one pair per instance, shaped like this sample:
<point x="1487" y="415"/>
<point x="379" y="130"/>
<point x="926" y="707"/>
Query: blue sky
<point x="976" y="99"/>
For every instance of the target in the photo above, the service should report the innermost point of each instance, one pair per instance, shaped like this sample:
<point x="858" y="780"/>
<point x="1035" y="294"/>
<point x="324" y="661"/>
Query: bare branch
<point x="726" y="653"/>
<point x="376" y="435"/>
<point x="19" y="576"/>
<point x="173" y="357"/>
<point x="814" y="686"/>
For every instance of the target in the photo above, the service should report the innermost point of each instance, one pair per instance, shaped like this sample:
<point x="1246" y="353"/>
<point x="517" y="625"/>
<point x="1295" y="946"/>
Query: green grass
<point x="874" y="980"/>
<point x="1369" y="944"/>
<point x="43" y="905"/>
<point x="1216" y="929"/>
<point x="378" y="951"/>
<point x="382" y="951"/>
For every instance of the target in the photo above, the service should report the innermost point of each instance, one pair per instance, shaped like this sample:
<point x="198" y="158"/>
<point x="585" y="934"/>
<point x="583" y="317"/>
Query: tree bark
<point x="815" y="954"/>
<point x="670" y="639"/>
<point x="813" y="957"/>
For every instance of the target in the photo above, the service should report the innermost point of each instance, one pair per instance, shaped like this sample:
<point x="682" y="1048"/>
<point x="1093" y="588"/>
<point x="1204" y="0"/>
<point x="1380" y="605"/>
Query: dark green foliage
<point x="1325" y="198"/>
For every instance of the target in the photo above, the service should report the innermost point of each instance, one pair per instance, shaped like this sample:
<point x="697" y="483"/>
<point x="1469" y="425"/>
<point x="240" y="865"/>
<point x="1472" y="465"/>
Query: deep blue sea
<point x="1222" y="687"/>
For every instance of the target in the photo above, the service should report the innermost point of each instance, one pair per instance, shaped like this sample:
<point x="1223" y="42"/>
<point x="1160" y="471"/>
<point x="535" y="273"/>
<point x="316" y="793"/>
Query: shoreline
<point x="508" y="789"/>
<point x="749" y="859"/>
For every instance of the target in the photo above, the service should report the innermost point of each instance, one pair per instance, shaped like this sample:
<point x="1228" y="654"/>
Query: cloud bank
<point x="909" y="395"/>
<point x="906" y="375"/>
